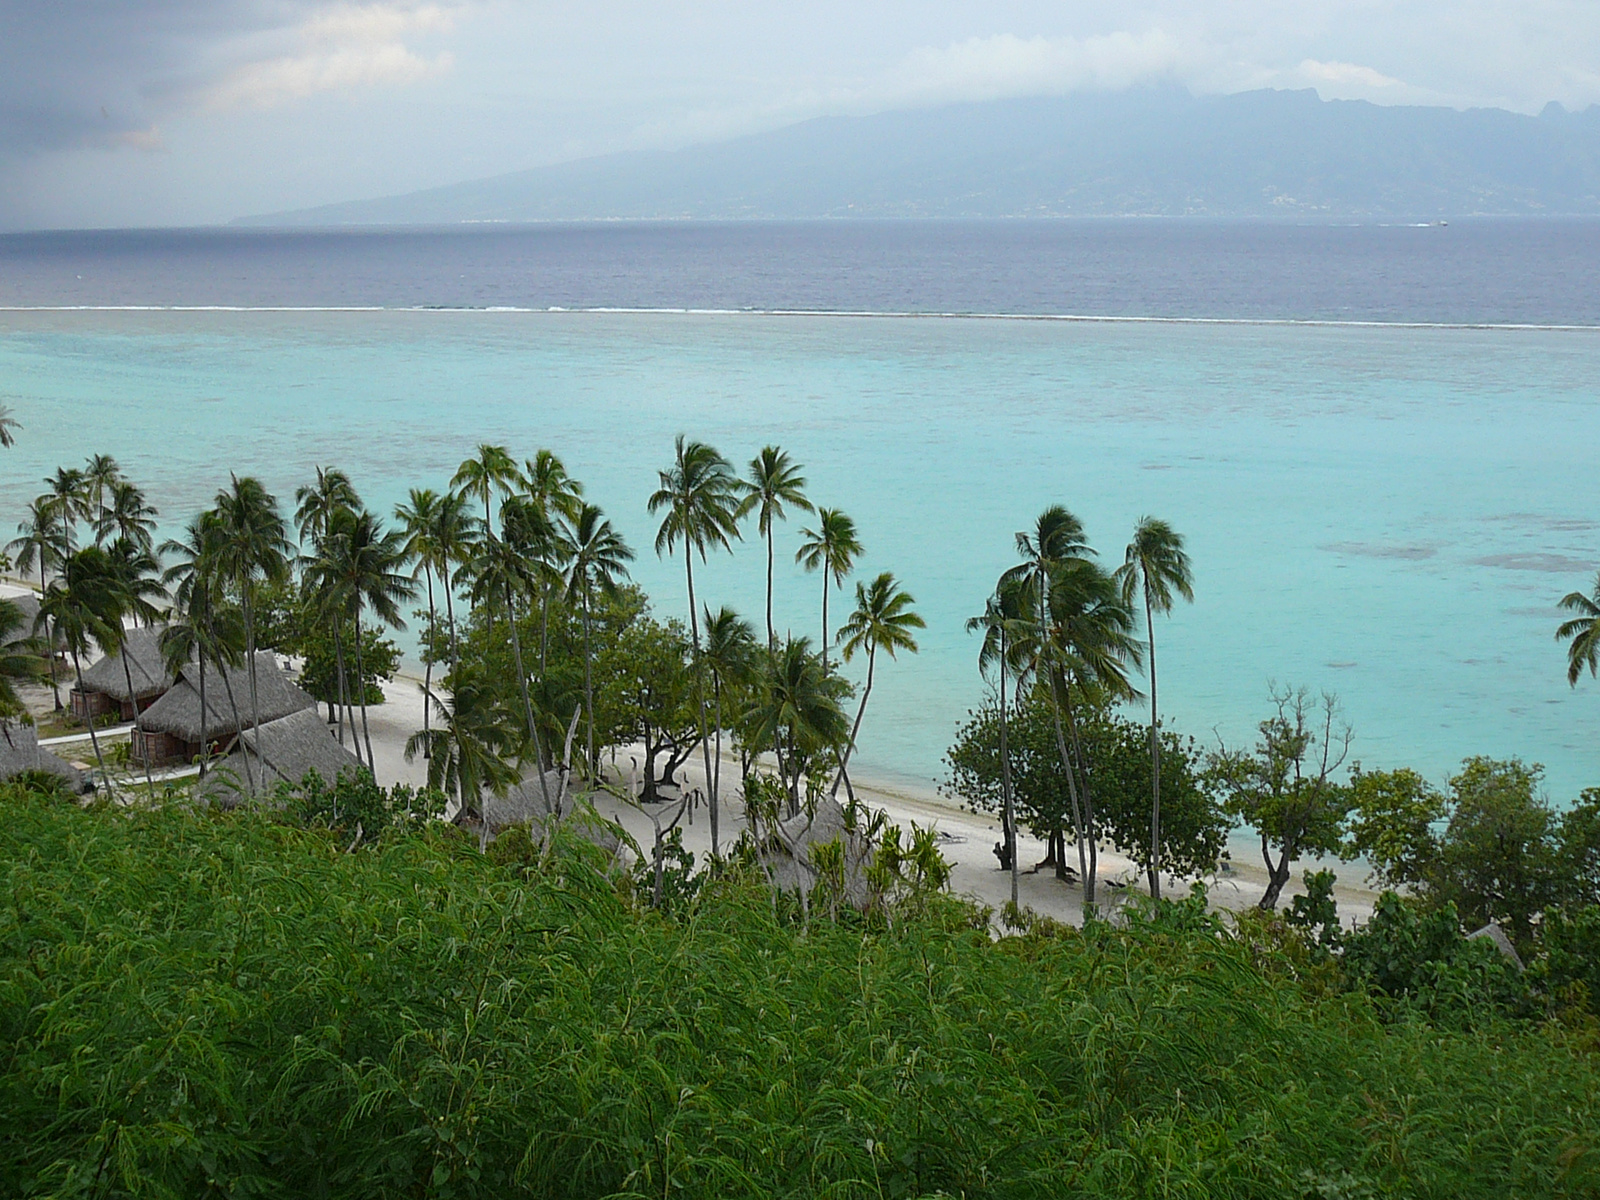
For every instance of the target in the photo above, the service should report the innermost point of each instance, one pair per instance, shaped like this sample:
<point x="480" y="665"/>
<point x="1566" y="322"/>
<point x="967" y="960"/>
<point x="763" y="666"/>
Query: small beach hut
<point x="524" y="804"/>
<point x="282" y="751"/>
<point x="106" y="683"/>
<point x="20" y="751"/>
<point x="787" y="854"/>
<point x="170" y="729"/>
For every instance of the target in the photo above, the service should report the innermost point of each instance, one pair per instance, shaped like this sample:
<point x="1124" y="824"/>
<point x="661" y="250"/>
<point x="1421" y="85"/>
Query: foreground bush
<point x="193" y="1005"/>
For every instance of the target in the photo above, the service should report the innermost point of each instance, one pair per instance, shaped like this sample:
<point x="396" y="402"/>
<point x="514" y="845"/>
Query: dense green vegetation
<point x="193" y="1004"/>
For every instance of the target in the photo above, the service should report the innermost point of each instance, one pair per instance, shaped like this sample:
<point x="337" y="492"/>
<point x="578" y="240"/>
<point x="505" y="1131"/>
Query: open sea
<point x="1380" y="441"/>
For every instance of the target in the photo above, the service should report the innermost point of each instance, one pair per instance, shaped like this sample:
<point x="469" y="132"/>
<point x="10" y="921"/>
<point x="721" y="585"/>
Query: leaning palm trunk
<point x="450" y="618"/>
<point x="1089" y="838"/>
<point x="205" y="742"/>
<point x="94" y="738"/>
<point x="250" y="655"/>
<point x="1007" y="806"/>
<point x="700" y="697"/>
<point x="344" y="702"/>
<point x="238" y="727"/>
<point x="1155" y="758"/>
<point x="1056" y="687"/>
<point x="427" y="678"/>
<point x="527" y="704"/>
<point x="855" y="729"/>
<point x="361" y="683"/>
<point x="592" y="763"/>
<point x="127" y="674"/>
<point x="50" y="632"/>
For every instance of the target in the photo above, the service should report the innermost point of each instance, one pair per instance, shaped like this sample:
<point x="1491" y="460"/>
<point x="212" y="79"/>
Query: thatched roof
<point x="20" y="751"/>
<point x="28" y="606"/>
<point x="280" y="751"/>
<point x="142" y="650"/>
<point x="790" y="860"/>
<point x="524" y="804"/>
<point x="178" y="712"/>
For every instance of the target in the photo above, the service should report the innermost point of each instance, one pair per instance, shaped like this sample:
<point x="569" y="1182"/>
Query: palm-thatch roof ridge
<point x="178" y="712"/>
<point x="293" y="745"/>
<point x="524" y="804"/>
<point x="20" y="751"/>
<point x="28" y="606"/>
<point x="141" y="649"/>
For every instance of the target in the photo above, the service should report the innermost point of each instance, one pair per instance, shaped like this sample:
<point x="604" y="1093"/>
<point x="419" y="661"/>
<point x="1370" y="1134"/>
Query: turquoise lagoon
<point x="1388" y="512"/>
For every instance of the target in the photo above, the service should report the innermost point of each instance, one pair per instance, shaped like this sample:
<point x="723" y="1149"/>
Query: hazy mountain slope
<point x="1147" y="151"/>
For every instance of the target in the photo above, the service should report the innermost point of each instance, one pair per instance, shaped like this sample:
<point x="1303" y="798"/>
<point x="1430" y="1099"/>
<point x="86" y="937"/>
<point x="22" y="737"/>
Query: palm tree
<point x="883" y="620"/>
<point x="1056" y="539"/>
<point x="252" y="549"/>
<point x="1003" y="614"/>
<point x="139" y="592"/>
<point x="700" y="496"/>
<point x="8" y="427"/>
<point x="419" y="518"/>
<point x="359" y="569"/>
<point x="797" y="711"/>
<point x="1583" y="631"/>
<point x="470" y="749"/>
<point x="831" y="547"/>
<point x="1156" y="567"/>
<point x="82" y="604"/>
<point x="730" y="656"/>
<point x="42" y="542"/>
<point x="315" y="509"/>
<point x="99" y="474"/>
<point x="17" y="658"/>
<point x="129" y="516"/>
<point x="200" y="625"/>
<point x="66" y="496"/>
<point x="597" y="558"/>
<point x="773" y="482"/>
<point x="493" y="470"/>
<point x="556" y="495"/>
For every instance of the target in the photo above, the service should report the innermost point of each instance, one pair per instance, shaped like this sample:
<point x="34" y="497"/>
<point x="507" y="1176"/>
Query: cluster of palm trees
<point x="1060" y="623"/>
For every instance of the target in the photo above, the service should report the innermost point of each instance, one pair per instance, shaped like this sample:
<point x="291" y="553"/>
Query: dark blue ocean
<point x="1386" y="502"/>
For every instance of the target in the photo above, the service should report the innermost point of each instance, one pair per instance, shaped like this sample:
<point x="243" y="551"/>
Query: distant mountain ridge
<point x="1147" y="151"/>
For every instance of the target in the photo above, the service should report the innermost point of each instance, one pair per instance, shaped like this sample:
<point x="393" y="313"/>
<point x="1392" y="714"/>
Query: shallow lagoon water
<point x="1390" y="513"/>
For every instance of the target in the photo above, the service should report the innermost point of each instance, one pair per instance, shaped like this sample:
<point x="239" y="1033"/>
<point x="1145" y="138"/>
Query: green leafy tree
<point x="471" y="749"/>
<point x="1286" y="789"/>
<point x="730" y="657"/>
<point x="798" y="711"/>
<point x="1392" y="819"/>
<point x="773" y="485"/>
<point x="699" y="502"/>
<point x="1155" y="569"/>
<point x="648" y="689"/>
<point x="1005" y="616"/>
<point x="201" y="625"/>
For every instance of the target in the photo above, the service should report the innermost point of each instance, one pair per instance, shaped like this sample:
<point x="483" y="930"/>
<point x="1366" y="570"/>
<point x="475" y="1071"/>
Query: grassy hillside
<point x="196" y="1005"/>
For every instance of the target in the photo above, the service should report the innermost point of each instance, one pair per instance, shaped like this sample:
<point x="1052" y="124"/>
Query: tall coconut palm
<point x="1004" y="614"/>
<point x="129" y="515"/>
<point x="492" y="471"/>
<point x="316" y="506"/>
<point x="772" y="486"/>
<point x="252" y="549"/>
<point x="883" y="620"/>
<point x="201" y="625"/>
<point x="558" y="496"/>
<point x="1583" y="631"/>
<point x="1156" y="568"/>
<point x="360" y="569"/>
<point x="699" y="495"/>
<point x="419" y="519"/>
<point x="798" y="712"/>
<point x="8" y="427"/>
<point x="140" y="598"/>
<point x="83" y="604"/>
<point x="499" y="575"/>
<point x="832" y="548"/>
<point x="1056" y="538"/>
<point x="470" y="749"/>
<point x="597" y="558"/>
<point x="730" y="659"/>
<point x="65" y="490"/>
<point x="99" y="474"/>
<point x="42" y="543"/>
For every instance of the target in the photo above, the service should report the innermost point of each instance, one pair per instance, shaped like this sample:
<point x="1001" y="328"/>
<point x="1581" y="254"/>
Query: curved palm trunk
<point x="127" y="674"/>
<point x="450" y="617"/>
<point x="205" y="741"/>
<point x="250" y="655"/>
<point x="824" y="620"/>
<point x="344" y="700"/>
<point x="527" y="704"/>
<point x="700" y="695"/>
<point x="238" y="729"/>
<point x="588" y="679"/>
<point x="1155" y="758"/>
<point x="361" y="683"/>
<point x="1088" y="811"/>
<point x="772" y="636"/>
<point x="716" y="762"/>
<point x="1056" y="687"/>
<point x="427" y="676"/>
<point x="861" y="711"/>
<point x="94" y="738"/>
<point x="50" y="632"/>
<point x="1005" y="780"/>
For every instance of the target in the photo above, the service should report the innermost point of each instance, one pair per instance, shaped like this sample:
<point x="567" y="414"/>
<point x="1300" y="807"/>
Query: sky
<point x="181" y="112"/>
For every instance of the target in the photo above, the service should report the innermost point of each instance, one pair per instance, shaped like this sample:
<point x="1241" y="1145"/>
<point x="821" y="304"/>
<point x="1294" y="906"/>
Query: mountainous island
<point x="1144" y="152"/>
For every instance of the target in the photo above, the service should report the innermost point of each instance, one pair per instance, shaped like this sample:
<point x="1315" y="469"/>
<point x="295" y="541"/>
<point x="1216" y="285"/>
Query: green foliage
<point x="1193" y="829"/>
<point x="380" y="661"/>
<point x="1391" y="824"/>
<point x="1568" y="966"/>
<point x="357" y="807"/>
<point x="680" y="882"/>
<point x="1316" y="913"/>
<point x="195" y="1004"/>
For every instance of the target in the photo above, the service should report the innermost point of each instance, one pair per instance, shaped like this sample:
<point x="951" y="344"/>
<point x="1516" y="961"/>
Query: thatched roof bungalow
<point x="170" y="729"/>
<point x="524" y="804"/>
<point x="28" y="606"/>
<point x="281" y="751"/>
<point x="105" y="685"/>
<point x="20" y="751"/>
